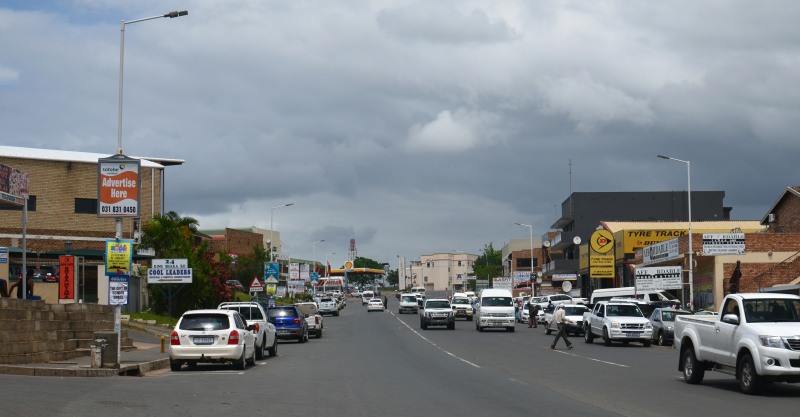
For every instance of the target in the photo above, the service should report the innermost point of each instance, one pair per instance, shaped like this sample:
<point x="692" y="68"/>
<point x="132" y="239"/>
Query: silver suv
<point x="254" y="314"/>
<point x="437" y="312"/>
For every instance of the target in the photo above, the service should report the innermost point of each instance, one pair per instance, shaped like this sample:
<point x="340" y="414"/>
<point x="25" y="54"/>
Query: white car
<point x="253" y="314"/>
<point x="462" y="307"/>
<point x="218" y="336"/>
<point x="313" y="317"/>
<point x="408" y="302"/>
<point x="327" y="305"/>
<point x="375" y="304"/>
<point x="573" y="315"/>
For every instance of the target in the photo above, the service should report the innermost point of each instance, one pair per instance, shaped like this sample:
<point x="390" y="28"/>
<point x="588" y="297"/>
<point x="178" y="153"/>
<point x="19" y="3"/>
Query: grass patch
<point x="149" y="315"/>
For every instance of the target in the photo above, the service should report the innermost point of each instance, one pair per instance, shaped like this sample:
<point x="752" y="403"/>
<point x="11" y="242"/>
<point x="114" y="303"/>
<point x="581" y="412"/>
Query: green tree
<point x="393" y="278"/>
<point x="360" y="279"/>
<point x="489" y="264"/>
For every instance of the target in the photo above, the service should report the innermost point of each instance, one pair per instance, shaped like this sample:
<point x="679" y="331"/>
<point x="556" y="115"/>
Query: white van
<point x="366" y="296"/>
<point x="495" y="309"/>
<point x="419" y="290"/>
<point x="660" y="296"/>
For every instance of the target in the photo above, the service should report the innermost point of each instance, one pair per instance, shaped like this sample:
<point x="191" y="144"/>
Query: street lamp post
<point x="689" y="202"/>
<point x="314" y="258"/>
<point x="118" y="220"/>
<point x="328" y="272"/>
<point x="271" y="242"/>
<point x="530" y="227"/>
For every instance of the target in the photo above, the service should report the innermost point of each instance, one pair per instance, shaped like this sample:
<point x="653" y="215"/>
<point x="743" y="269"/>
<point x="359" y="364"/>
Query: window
<point x="31" y="205"/>
<point x="459" y="263"/>
<point x="86" y="205"/>
<point x="523" y="262"/>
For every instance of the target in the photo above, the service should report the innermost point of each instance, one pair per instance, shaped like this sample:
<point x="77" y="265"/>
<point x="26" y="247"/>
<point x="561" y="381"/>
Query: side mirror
<point x="731" y="319"/>
<point x="252" y="328"/>
<point x="600" y="314"/>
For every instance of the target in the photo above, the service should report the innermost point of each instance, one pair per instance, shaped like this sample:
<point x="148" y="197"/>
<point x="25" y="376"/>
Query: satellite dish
<point x="576" y="240"/>
<point x="566" y="286"/>
<point x="546" y="243"/>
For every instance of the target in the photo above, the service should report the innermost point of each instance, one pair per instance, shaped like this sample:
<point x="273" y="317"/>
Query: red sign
<point x="66" y="282"/>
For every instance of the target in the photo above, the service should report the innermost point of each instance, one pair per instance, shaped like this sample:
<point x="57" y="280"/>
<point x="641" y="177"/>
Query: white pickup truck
<point x="755" y="337"/>
<point x="617" y="321"/>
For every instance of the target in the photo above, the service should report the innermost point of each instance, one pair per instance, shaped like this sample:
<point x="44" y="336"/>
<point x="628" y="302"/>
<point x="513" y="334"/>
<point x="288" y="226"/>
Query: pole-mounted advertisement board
<point x="118" y="187"/>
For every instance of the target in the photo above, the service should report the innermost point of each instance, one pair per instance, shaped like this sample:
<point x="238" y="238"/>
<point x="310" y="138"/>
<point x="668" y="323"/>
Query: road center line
<point x="433" y="344"/>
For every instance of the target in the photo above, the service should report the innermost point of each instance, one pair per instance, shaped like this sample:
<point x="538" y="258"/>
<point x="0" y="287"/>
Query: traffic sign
<point x="271" y="272"/>
<point x="256" y="285"/>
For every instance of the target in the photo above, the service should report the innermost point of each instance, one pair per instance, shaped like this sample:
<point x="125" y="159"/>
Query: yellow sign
<point x="602" y="241"/>
<point x="601" y="262"/>
<point x="637" y="239"/>
<point x="119" y="255"/>
<point x="348" y="265"/>
<point x="271" y="288"/>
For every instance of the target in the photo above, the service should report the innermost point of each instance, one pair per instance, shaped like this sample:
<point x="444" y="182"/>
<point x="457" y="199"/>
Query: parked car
<point x="289" y="322"/>
<point x="375" y="304"/>
<point x="663" y="321"/>
<point x="235" y="285"/>
<point x="617" y="321"/>
<point x="313" y="318"/>
<point x="327" y="305"/>
<point x="254" y="314"/>
<point x="437" y="312"/>
<point x="219" y="336"/>
<point x="408" y="302"/>
<point x="45" y="273"/>
<point x="574" y="315"/>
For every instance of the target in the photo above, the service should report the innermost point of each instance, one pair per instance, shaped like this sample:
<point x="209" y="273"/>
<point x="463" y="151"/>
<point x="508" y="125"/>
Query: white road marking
<point x="434" y="344"/>
<point x="567" y="352"/>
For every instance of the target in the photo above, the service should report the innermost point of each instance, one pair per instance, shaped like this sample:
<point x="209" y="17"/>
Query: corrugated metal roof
<point x="74" y="156"/>
<point x="747" y="226"/>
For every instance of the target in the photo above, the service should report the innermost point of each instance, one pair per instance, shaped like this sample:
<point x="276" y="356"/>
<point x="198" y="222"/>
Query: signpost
<point x="256" y="285"/>
<point x="66" y="283"/>
<point x="169" y="271"/>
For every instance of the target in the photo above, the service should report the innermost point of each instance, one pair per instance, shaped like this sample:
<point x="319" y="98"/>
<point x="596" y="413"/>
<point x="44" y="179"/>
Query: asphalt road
<point x="383" y="364"/>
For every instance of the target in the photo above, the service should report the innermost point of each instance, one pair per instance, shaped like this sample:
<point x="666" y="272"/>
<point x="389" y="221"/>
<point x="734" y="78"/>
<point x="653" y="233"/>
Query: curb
<point x="137" y="369"/>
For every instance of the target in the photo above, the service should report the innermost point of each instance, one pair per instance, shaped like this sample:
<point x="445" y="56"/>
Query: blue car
<point x="289" y="323"/>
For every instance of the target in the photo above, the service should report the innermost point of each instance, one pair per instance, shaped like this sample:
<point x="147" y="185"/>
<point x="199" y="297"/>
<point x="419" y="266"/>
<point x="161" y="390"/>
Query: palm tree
<point x="169" y="235"/>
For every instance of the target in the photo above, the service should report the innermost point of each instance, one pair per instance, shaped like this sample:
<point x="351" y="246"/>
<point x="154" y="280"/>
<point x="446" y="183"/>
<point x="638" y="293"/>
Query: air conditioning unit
<point x="770" y="217"/>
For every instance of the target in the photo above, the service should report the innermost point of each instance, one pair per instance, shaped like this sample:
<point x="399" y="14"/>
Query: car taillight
<point x="233" y="338"/>
<point x="174" y="339"/>
<point x="316" y="319"/>
<point x="255" y="326"/>
<point x="297" y="320"/>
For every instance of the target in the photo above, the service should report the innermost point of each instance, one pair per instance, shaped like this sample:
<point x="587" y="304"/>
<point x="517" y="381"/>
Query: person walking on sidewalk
<point x="560" y="318"/>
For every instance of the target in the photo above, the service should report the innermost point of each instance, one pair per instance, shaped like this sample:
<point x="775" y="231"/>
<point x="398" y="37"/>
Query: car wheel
<point x="175" y="366"/>
<point x="661" y="341"/>
<point x="588" y="337"/>
<point x="305" y="337"/>
<point x="260" y="349"/>
<point x="646" y="343"/>
<point x="606" y="339"/>
<point x="240" y="363"/>
<point x="749" y="381"/>
<point x="451" y="326"/>
<point x="469" y="318"/>
<point x="273" y="350"/>
<point x="336" y="314"/>
<point x="511" y="329"/>
<point x="693" y="371"/>
<point x="319" y="333"/>
<point x="423" y="325"/>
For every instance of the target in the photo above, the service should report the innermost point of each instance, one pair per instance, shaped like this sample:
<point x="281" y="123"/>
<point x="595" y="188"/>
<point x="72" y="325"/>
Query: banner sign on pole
<point x="723" y="244"/>
<point x="118" y="290"/>
<point x="659" y="252"/>
<point x="66" y="281"/>
<point x="271" y="272"/>
<point x="118" y="187"/>
<point x="119" y="256"/>
<point x="503" y="283"/>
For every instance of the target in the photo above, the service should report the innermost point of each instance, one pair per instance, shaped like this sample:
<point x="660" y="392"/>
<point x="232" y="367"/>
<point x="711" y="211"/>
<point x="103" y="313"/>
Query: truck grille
<point x="496" y="315"/>
<point x="632" y="326"/>
<point x="793" y="342"/>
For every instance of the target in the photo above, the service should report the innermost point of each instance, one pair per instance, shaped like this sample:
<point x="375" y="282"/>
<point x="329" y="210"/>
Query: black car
<point x="289" y="322"/>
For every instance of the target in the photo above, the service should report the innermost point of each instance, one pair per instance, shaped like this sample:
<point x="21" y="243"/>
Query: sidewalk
<point x="145" y="358"/>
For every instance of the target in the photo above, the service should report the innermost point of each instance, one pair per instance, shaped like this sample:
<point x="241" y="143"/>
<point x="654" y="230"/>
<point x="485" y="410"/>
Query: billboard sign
<point x="723" y="244"/>
<point x="13" y="185"/>
<point x="118" y="187"/>
<point x="659" y="252"/>
<point x="119" y="256"/>
<point x="659" y="278"/>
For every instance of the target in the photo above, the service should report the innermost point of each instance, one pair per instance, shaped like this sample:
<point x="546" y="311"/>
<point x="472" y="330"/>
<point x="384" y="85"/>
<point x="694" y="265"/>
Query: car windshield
<point x="497" y="302"/>
<point x="410" y="298"/>
<point x="629" y="310"/>
<point x="437" y="304"/>
<point x="772" y="310"/>
<point x="282" y="312"/>
<point x="560" y="298"/>
<point x="461" y="301"/>
<point x="247" y="312"/>
<point x="326" y="300"/>
<point x="670" y="315"/>
<point x="575" y="311"/>
<point x="309" y="308"/>
<point x="204" y="322"/>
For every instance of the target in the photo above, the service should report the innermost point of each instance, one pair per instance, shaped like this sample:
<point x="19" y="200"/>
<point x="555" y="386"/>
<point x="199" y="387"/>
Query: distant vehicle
<point x="218" y="336"/>
<point x="289" y="322"/>
<point x="659" y="298"/>
<point x="437" y="312"/>
<point x="327" y="305"/>
<point x="235" y="285"/>
<point x="663" y="321"/>
<point x="462" y="307"/>
<point x="254" y="314"/>
<point x="408" y="303"/>
<point x="45" y="273"/>
<point x="495" y="309"/>
<point x="366" y="296"/>
<point x="574" y="316"/>
<point x="313" y="317"/>
<point x="375" y="304"/>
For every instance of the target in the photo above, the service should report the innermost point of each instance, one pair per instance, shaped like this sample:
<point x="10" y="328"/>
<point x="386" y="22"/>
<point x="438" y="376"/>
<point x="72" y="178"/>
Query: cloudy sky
<point x="413" y="126"/>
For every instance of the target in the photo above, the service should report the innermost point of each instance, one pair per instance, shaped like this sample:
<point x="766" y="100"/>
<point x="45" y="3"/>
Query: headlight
<point x="648" y="326"/>
<point x="614" y="325"/>
<point x="669" y="328"/>
<point x="772" y="341"/>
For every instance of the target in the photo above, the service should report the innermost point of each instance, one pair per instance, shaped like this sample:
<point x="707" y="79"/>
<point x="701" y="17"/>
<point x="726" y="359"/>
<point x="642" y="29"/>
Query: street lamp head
<point x="663" y="157"/>
<point x="175" y="14"/>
